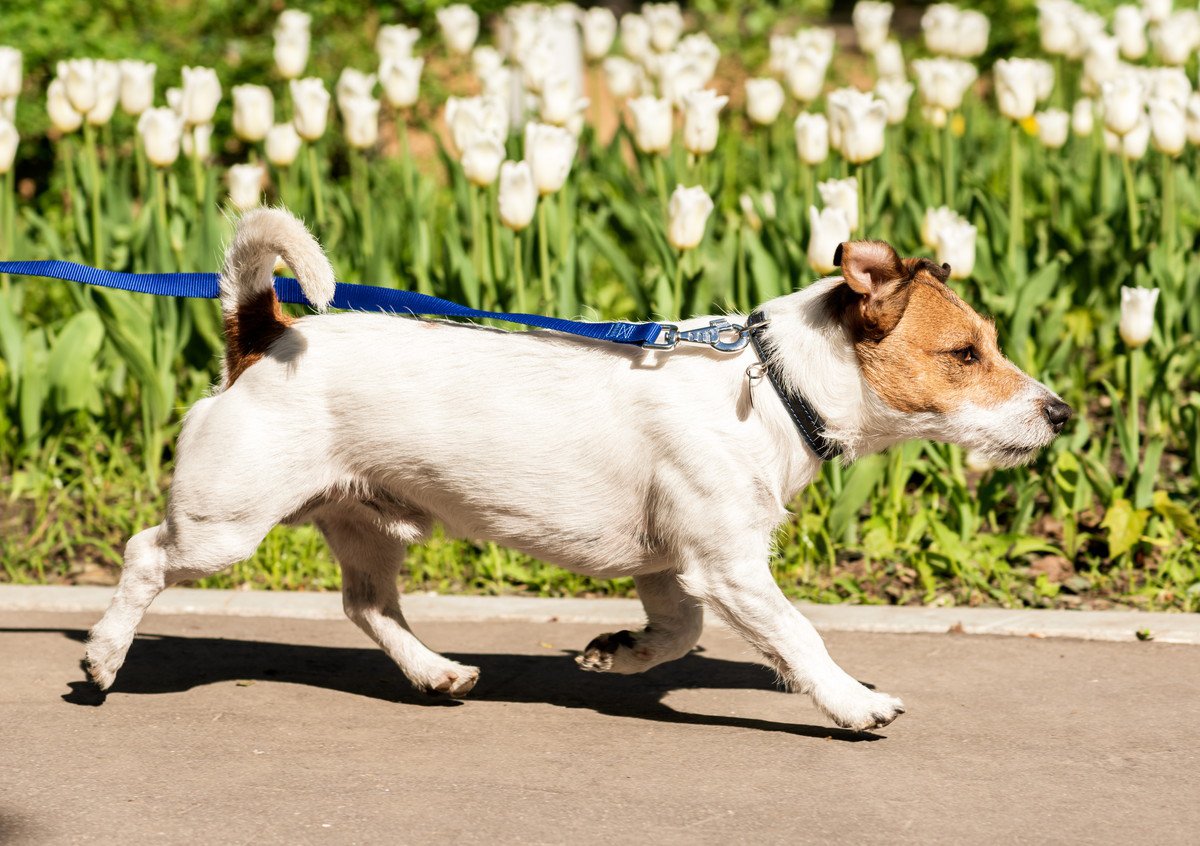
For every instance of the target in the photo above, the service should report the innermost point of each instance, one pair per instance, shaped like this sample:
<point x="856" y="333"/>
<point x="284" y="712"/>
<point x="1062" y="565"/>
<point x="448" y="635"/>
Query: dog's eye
<point x="966" y="355"/>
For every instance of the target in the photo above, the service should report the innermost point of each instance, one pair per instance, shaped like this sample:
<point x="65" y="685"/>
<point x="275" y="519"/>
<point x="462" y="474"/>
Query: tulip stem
<point x="10" y="212"/>
<point x="476" y="231"/>
<point x="1131" y="201"/>
<point x="1168" y="193"/>
<point x="406" y="173"/>
<point x="89" y="140"/>
<point x="862" y="176"/>
<point x="660" y="179"/>
<point x="519" y="271"/>
<point x="160" y="216"/>
<point x="1016" y="218"/>
<point x="677" y="289"/>
<point x="367" y="221"/>
<point x="948" y="160"/>
<point x="1131" y="410"/>
<point x="314" y="175"/>
<point x="493" y="217"/>
<point x="544" y="256"/>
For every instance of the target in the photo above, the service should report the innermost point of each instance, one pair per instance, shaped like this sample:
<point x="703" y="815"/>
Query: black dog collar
<point x="810" y="424"/>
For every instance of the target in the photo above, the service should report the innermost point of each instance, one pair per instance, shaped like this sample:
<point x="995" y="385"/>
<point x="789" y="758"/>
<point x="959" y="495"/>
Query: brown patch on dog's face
<point x="250" y="331"/>
<point x="921" y="348"/>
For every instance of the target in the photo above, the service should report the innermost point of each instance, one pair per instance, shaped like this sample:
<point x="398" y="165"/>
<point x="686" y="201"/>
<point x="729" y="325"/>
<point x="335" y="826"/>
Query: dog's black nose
<point x="1057" y="414"/>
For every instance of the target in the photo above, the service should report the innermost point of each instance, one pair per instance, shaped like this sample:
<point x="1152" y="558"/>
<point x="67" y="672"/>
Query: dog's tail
<point x="252" y="316"/>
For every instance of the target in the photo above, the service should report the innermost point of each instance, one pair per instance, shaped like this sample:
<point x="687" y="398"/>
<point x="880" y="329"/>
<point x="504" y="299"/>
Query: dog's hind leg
<point x="673" y="624"/>
<point x="371" y="559"/>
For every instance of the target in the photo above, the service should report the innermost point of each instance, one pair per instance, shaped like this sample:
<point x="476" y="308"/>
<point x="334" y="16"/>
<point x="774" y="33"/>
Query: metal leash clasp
<point x="719" y="334"/>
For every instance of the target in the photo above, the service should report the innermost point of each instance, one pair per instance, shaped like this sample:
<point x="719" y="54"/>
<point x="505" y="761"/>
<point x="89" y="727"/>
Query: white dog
<point x="671" y="467"/>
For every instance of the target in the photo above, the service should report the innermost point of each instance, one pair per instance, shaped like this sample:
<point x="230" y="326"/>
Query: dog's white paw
<point x="855" y="707"/>
<point x="455" y="680"/>
<point x="615" y="652"/>
<point x="104" y="658"/>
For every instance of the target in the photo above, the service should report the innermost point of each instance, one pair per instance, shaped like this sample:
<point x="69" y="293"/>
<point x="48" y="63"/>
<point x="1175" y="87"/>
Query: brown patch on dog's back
<point x="249" y="332"/>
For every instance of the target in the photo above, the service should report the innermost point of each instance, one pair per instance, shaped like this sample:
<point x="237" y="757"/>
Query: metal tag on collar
<point x="719" y="334"/>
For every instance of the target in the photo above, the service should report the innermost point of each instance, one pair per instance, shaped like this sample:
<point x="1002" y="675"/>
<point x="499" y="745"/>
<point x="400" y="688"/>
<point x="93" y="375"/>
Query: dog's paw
<point x="456" y="680"/>
<point x="858" y="708"/>
<point x="103" y="660"/>
<point x="615" y="652"/>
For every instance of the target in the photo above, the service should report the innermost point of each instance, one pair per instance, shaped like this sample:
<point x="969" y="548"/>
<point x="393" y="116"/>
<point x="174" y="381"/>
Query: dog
<point x="673" y="468"/>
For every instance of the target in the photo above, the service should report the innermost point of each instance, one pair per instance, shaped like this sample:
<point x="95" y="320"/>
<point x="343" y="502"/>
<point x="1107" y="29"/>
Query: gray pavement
<point x="248" y="730"/>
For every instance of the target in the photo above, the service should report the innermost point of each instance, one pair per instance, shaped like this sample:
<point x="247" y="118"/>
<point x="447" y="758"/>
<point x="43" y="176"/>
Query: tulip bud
<point x="871" y="22"/>
<point x="1130" y="29"/>
<point x="806" y="77"/>
<point x="942" y="83"/>
<point x="518" y="195"/>
<point x="197" y="141"/>
<point x="467" y="116"/>
<point x="79" y="76"/>
<point x="599" y="30"/>
<point x="889" y="61"/>
<point x="703" y="51"/>
<point x="841" y="194"/>
<point x="291" y="53"/>
<point x="935" y="221"/>
<point x="253" y="111"/>
<point x="396" y="41"/>
<point x="560" y="101"/>
<point x="1123" y="103"/>
<point x="895" y="94"/>
<point x="310" y="104"/>
<point x="161" y="131"/>
<point x="956" y="247"/>
<point x="1137" y="315"/>
<point x="856" y="124"/>
<point x="666" y="24"/>
<point x="764" y="100"/>
<point x="829" y="230"/>
<point x="137" y="86"/>
<point x="1168" y="84"/>
<point x="1132" y="145"/>
<point x="201" y="94"/>
<point x="1167" y="126"/>
<point x="653" y="124"/>
<point x="701" y="125"/>
<point x="550" y="151"/>
<point x="624" y="77"/>
<point x="401" y="81"/>
<point x="1178" y="36"/>
<point x="1054" y="26"/>
<point x="680" y="75"/>
<point x="972" y="37"/>
<point x="283" y="144"/>
<point x="1192" y="120"/>
<point x="1016" y="87"/>
<point x="360" y="119"/>
<point x="687" y="216"/>
<point x="293" y="21"/>
<point x="9" y="139"/>
<point x="481" y="159"/>
<point x="1083" y="117"/>
<point x="354" y="84"/>
<point x="108" y="92"/>
<point x="812" y="138"/>
<point x="1101" y="62"/>
<point x="10" y="72"/>
<point x="1052" y="128"/>
<point x="460" y="27"/>
<point x="245" y="186"/>
<point x="63" y="116"/>
<point x="1157" y="11"/>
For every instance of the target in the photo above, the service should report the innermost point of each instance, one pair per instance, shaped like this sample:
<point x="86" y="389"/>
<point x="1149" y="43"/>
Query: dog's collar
<point x="808" y="422"/>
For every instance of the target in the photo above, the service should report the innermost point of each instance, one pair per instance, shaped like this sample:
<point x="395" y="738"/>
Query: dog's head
<point x="935" y="362"/>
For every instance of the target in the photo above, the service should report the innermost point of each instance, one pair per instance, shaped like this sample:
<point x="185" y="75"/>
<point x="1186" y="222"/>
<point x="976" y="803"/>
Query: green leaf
<point x="1125" y="525"/>
<point x="70" y="370"/>
<point x="860" y="481"/>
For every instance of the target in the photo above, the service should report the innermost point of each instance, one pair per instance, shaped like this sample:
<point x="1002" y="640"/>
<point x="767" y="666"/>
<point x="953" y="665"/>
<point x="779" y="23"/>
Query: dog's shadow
<point x="159" y="664"/>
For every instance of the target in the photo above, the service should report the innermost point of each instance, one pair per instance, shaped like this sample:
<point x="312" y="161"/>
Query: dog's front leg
<point x="743" y="594"/>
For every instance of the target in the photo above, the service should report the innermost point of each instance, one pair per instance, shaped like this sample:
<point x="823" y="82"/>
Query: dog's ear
<point x="876" y="290"/>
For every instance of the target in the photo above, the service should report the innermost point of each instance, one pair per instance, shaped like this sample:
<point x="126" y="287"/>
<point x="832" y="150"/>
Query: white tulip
<point x="806" y="77"/>
<point x="935" y="116"/>
<point x="481" y="159"/>
<point x="841" y="194"/>
<point x="468" y="116"/>
<point x="310" y="107"/>
<point x="817" y="42"/>
<point x="79" y="76"/>
<point x="293" y="21"/>
<point x="197" y="141"/>
<point x="518" y="195"/>
<point x="895" y="93"/>
<point x="1157" y="11"/>
<point x="973" y="30"/>
<point x="889" y="61"/>
<point x="687" y="216"/>
<point x="9" y="139"/>
<point x="245" y="185"/>
<point x="460" y="27"/>
<point x="1016" y="87"/>
<point x="63" y="116"/>
<point x="1123" y="103"/>
<point x="653" y="123"/>
<point x="635" y="36"/>
<point x="599" y="31"/>
<point x="764" y="100"/>
<point x="857" y="121"/>
<point x="934" y="221"/>
<point x="1137" y="315"/>
<point x="1169" y="84"/>
<point x="679" y="75"/>
<point x="396" y="41"/>
<point x="1101" y="62"/>
<point x="400" y="79"/>
<point x="291" y="53"/>
<point x="1083" y="117"/>
<point x="560" y="102"/>
<point x="550" y="151"/>
<point x="253" y="111"/>
<point x="1192" y="119"/>
<point x="1132" y="145"/>
<point x="703" y="51"/>
<point x="1130" y="29"/>
<point x="871" y="23"/>
<point x="942" y="83"/>
<point x="701" y="124"/>
<point x="1168" y="129"/>
<point x="812" y="138"/>
<point x="939" y="25"/>
<point x="1177" y="37"/>
<point x="1053" y="126"/>
<point x="354" y="84"/>
<point x="666" y="24"/>
<point x="175" y="100"/>
<point x="486" y="60"/>
<point x="956" y="247"/>
<point x="137" y="86"/>
<point x="624" y="77"/>
<point x="10" y="72"/>
<point x="108" y="92"/>
<point x="201" y="94"/>
<point x="830" y="229"/>
<point x="161" y="131"/>
<point x="283" y="144"/>
<point x="360" y="119"/>
<point x="1054" y="26"/>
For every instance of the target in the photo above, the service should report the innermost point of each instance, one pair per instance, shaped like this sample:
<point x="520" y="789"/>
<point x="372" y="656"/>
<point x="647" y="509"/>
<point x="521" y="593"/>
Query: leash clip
<point x="719" y="334"/>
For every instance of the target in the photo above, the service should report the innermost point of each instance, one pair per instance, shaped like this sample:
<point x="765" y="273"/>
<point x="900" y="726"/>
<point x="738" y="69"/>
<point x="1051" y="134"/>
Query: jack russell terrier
<point x="610" y="460"/>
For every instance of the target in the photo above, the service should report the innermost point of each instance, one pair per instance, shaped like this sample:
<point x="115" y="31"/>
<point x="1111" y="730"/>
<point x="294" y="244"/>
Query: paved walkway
<point x="247" y="730"/>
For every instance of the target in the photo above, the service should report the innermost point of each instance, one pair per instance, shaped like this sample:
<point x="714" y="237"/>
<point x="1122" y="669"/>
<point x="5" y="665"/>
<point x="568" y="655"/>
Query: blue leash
<point x="720" y="334"/>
